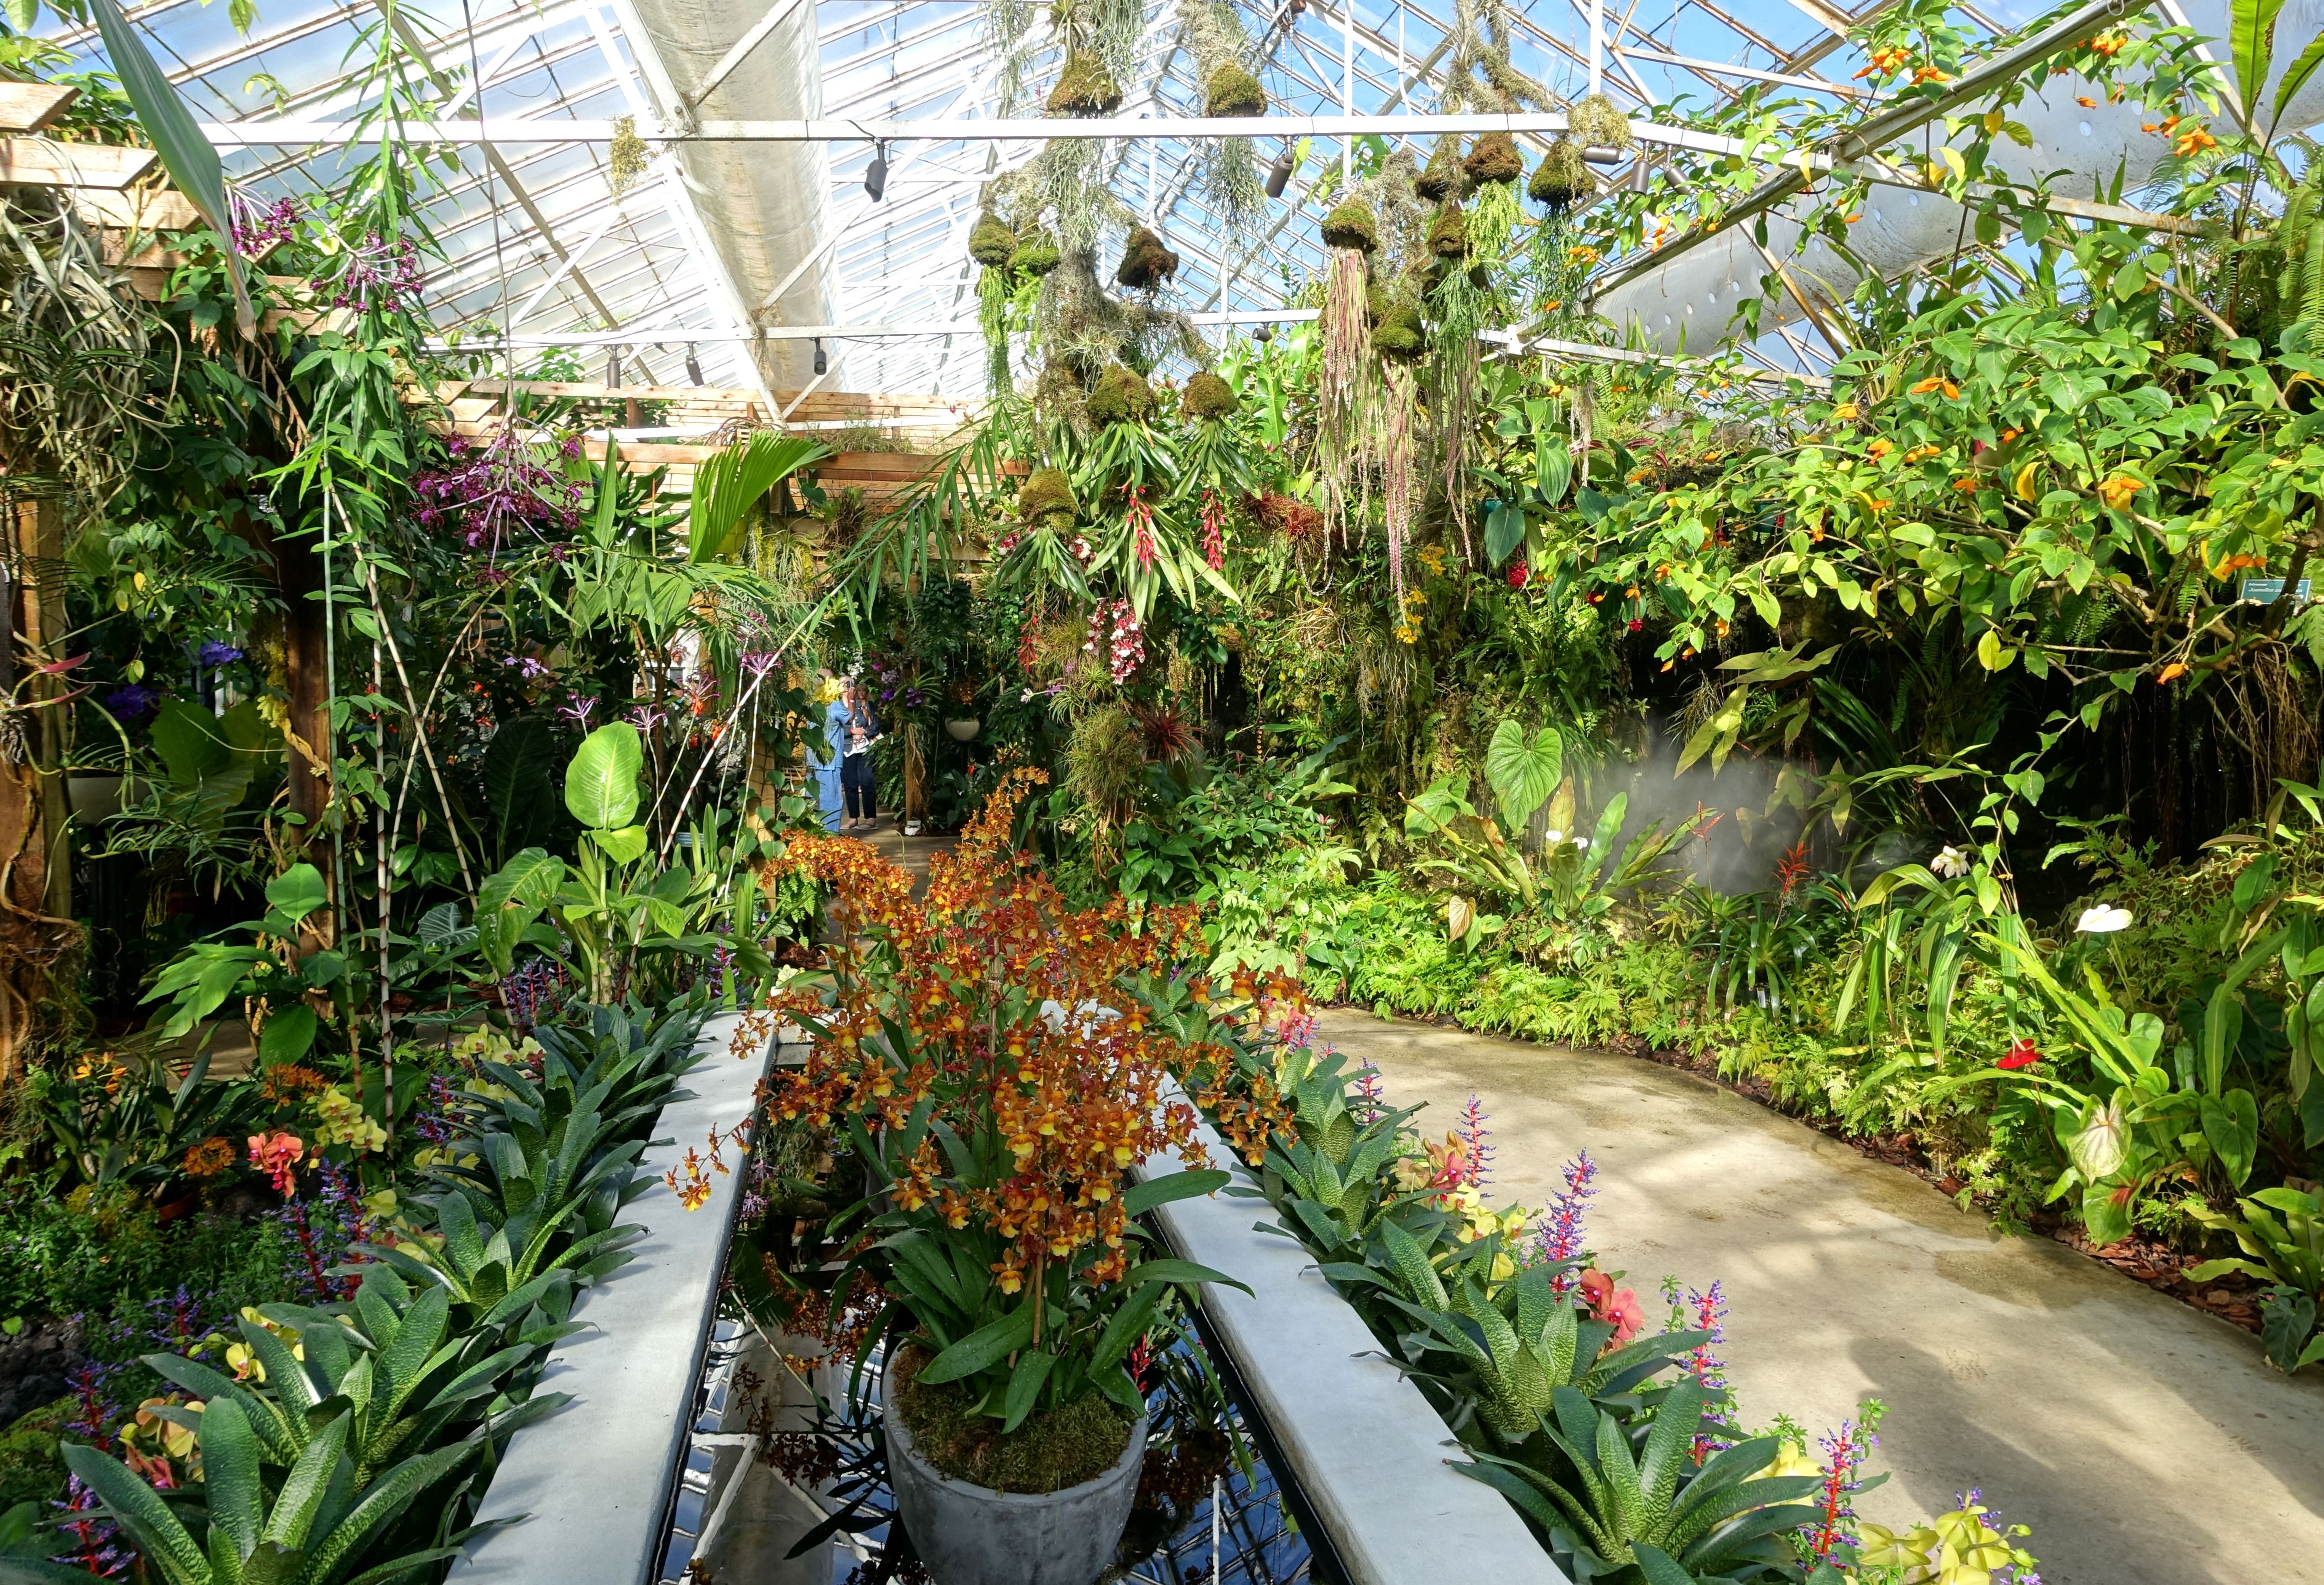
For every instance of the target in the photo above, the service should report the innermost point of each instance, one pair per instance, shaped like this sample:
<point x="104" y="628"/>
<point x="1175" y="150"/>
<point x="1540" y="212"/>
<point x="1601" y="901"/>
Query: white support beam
<point x="289" y="133"/>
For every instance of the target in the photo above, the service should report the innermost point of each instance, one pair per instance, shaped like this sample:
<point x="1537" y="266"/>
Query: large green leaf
<point x="1524" y="771"/>
<point x="517" y="766"/>
<point x="731" y="481"/>
<point x="2251" y="39"/>
<point x="192" y="163"/>
<point x="601" y="785"/>
<point x="2231" y="1125"/>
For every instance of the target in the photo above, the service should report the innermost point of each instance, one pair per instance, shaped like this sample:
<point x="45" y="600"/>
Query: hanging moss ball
<point x="1036" y="255"/>
<point x="1494" y="159"/>
<point x="1229" y="90"/>
<point x="992" y="244"/>
<point x="1121" y="396"/>
<point x="1563" y="178"/>
<point x="1448" y="234"/>
<point x="1084" y="88"/>
<point x="1146" y="263"/>
<point x="1045" y="501"/>
<point x="1441" y="176"/>
<point x="1596" y="122"/>
<point x="1397" y="331"/>
<point x="1207" y="396"/>
<point x="1352" y="224"/>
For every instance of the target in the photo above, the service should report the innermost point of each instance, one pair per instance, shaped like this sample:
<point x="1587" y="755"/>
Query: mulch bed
<point x="2233" y="1298"/>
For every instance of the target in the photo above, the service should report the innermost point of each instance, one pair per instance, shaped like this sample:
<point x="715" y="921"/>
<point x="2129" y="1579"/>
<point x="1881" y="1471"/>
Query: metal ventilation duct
<point x="763" y="206"/>
<point x="1686" y="305"/>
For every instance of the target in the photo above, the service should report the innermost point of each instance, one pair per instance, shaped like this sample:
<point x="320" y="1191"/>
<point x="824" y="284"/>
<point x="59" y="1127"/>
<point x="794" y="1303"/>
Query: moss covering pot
<point x="1207" y="396"/>
<point x="991" y="243"/>
<point x="1146" y="263"/>
<point x="1494" y="159"/>
<point x="970" y="1534"/>
<point x="1351" y="226"/>
<point x="1441" y="177"/>
<point x="1564" y="177"/>
<point x="1448" y="234"/>
<point x="1045" y="501"/>
<point x="1036" y="255"/>
<point x="1084" y="88"/>
<point x="1122" y="395"/>
<point x="1229" y="90"/>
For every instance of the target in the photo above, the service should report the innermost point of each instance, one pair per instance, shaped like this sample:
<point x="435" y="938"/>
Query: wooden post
<point x="306" y="663"/>
<point x="36" y="924"/>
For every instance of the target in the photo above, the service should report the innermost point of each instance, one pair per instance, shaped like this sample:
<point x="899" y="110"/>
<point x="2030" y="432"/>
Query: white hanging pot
<point x="963" y="731"/>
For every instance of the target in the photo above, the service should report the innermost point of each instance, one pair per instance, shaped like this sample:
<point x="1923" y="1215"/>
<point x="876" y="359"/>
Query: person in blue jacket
<point x="825" y="760"/>
<point x="859" y="729"/>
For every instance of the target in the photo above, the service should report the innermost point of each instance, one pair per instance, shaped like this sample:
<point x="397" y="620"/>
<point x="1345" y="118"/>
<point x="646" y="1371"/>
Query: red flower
<point x="1518" y="574"/>
<point x="1634" y="625"/>
<point x="1607" y="1302"/>
<point x="2022" y="1054"/>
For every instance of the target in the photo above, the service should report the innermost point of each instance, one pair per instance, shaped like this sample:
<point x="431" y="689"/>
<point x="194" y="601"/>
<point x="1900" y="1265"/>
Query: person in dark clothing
<point x="860" y="729"/>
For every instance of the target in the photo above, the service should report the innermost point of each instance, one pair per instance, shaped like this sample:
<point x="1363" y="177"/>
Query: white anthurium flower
<point x="1951" y="862"/>
<point x="2103" y="920"/>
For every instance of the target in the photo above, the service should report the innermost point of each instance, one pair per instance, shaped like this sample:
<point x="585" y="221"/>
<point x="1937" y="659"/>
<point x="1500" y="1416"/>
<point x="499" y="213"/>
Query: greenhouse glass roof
<point x="718" y="261"/>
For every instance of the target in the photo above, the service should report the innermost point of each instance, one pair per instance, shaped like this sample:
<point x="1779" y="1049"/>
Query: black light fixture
<point x="822" y="364"/>
<point x="614" y="366"/>
<point x="1278" y="175"/>
<point x="693" y="366"/>
<point x="875" y="175"/>
<point x="1263" y="335"/>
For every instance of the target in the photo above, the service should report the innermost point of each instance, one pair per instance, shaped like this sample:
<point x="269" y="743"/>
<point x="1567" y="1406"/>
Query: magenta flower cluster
<point x="382" y="276"/>
<point x="255" y="230"/>
<point x="492" y="494"/>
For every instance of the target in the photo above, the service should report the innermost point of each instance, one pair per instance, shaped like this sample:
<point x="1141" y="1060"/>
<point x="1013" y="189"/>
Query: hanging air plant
<point x="1045" y="501"/>
<point x="1397" y="447"/>
<point x="1448" y="235"/>
<point x="1084" y="88"/>
<point x="1228" y="90"/>
<point x="1596" y="122"/>
<point x="1563" y="179"/>
<point x="1495" y="159"/>
<point x="1146" y="263"/>
<point x="1207" y="396"/>
<point x="991" y="243"/>
<point x="1122" y="395"/>
<point x="1035" y="257"/>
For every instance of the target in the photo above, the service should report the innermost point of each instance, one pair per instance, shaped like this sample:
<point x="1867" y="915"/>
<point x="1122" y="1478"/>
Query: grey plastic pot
<point x="973" y="1535"/>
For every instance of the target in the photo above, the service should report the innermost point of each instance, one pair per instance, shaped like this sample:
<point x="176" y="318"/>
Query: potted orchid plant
<point x="1002" y="1064"/>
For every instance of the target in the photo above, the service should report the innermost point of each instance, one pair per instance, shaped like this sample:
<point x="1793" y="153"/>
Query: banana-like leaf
<point x="732" y="481"/>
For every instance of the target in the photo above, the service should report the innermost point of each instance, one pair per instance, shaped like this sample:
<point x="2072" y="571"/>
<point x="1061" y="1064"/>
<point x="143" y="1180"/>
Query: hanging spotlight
<point x="614" y="366"/>
<point x="821" y="363"/>
<point x="1278" y="175"/>
<point x="875" y="175"/>
<point x="1263" y="335"/>
<point x="693" y="366"/>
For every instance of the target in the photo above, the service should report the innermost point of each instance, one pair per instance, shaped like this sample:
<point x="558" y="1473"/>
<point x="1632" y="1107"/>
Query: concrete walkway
<point x="2145" y="1444"/>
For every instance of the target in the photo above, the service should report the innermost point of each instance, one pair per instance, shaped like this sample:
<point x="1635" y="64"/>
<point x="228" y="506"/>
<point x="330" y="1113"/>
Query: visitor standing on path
<point x="861" y="730"/>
